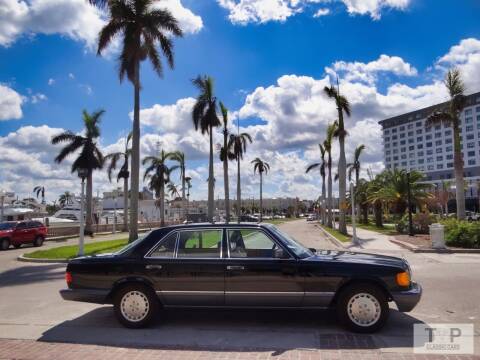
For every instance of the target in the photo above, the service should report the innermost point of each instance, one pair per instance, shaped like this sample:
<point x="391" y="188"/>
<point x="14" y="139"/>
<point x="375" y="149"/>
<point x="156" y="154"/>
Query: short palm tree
<point x="173" y="190"/>
<point x="321" y="166"/>
<point x="179" y="157"/>
<point x="141" y="28"/>
<point x="451" y="116"/>
<point x="343" y="106"/>
<point x="112" y="160"/>
<point x="188" y="180"/>
<point x="40" y="190"/>
<point x="356" y="166"/>
<point x="158" y="175"/>
<point x="237" y="145"/>
<point x="327" y="145"/>
<point x="65" y="198"/>
<point x="90" y="157"/>
<point x="204" y="115"/>
<point x="225" y="156"/>
<point x="262" y="167"/>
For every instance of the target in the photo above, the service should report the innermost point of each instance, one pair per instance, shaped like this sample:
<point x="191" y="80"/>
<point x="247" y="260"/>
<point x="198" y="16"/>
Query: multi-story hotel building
<point x="410" y="144"/>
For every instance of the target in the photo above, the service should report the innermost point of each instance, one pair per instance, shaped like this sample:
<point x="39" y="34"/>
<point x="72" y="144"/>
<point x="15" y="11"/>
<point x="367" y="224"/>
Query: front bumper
<point x="408" y="299"/>
<point x="85" y="295"/>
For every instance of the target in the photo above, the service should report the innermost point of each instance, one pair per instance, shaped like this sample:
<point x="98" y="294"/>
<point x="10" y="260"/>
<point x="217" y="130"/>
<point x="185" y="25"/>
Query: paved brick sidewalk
<point x="29" y="349"/>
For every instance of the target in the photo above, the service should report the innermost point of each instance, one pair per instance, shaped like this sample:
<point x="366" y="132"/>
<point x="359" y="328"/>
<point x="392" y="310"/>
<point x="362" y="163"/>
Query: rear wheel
<point x="135" y="305"/>
<point x="17" y="246"/>
<point x="38" y="241"/>
<point x="363" y="308"/>
<point x="4" y="244"/>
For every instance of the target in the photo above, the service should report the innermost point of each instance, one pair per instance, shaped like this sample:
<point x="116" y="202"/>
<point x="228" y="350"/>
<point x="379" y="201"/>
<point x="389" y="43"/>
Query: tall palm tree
<point x="65" y="198"/>
<point x="343" y="106"/>
<point x="237" y="144"/>
<point x="90" y="157"/>
<point x="141" y="27"/>
<point x="327" y="145"/>
<point x="188" y="180"/>
<point x="204" y="115"/>
<point x="40" y="190"/>
<point x="261" y="167"/>
<point x="356" y="166"/>
<point x="451" y="115"/>
<point x="321" y="167"/>
<point x="158" y="175"/>
<point x="225" y="156"/>
<point x="124" y="174"/>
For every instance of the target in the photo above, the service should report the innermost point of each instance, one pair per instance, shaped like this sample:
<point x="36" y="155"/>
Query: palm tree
<point x="451" y="116"/>
<point x="158" y="172"/>
<point x="142" y="28"/>
<point x="343" y="106"/>
<point x="204" y="115"/>
<point x="90" y="157"/>
<point x="188" y="180"/>
<point x="179" y="157"/>
<point x="173" y="190"/>
<point x="262" y="167"/>
<point x="124" y="174"/>
<point x="321" y="167"/>
<point x="225" y="156"/>
<point x="237" y="144"/>
<point x="40" y="190"/>
<point x="327" y="145"/>
<point x="355" y="166"/>
<point x="65" y="198"/>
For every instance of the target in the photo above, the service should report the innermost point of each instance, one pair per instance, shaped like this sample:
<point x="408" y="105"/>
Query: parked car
<point x="311" y="217"/>
<point x="472" y="216"/>
<point x="249" y="218"/>
<point x="22" y="232"/>
<point x="240" y="265"/>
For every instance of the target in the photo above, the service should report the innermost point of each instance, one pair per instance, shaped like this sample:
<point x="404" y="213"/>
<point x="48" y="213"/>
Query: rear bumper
<point x="407" y="300"/>
<point x="85" y="295"/>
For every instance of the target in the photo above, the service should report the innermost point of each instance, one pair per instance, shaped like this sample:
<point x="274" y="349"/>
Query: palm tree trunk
<point x="323" y="200"/>
<point x="210" y="180"/>
<point x="239" y="191"/>
<point x="357" y="179"/>
<point x="342" y="184"/>
<point x="135" y="176"/>
<point x="183" y="182"/>
<point x="377" y="209"/>
<point x="89" y="212"/>
<point x="329" y="202"/>
<point x="261" y="196"/>
<point x="226" y="184"/>
<point x="162" y="205"/>
<point x="125" y="204"/>
<point x="459" y="182"/>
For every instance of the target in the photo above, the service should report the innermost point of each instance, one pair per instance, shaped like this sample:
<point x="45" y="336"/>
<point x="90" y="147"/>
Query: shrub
<point x="462" y="233"/>
<point x="421" y="222"/>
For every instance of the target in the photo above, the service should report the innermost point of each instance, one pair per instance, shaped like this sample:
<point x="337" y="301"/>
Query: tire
<point x="144" y="306"/>
<point x="38" y="241"/>
<point x="362" y="308"/>
<point x="17" y="246"/>
<point x="4" y="244"/>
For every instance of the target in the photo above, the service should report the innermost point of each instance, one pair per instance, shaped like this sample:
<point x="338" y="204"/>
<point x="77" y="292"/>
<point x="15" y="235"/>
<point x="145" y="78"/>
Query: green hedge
<point x="421" y="223"/>
<point x="462" y="233"/>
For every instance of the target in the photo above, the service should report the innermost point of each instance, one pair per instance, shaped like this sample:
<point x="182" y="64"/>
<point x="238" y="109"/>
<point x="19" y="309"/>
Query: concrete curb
<point x="332" y="238"/>
<point x="42" y="261"/>
<point x="416" y="249"/>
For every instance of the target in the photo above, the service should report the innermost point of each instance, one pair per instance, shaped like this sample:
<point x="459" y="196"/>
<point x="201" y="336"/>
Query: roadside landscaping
<point x="71" y="251"/>
<point x="337" y="234"/>
<point x="279" y="221"/>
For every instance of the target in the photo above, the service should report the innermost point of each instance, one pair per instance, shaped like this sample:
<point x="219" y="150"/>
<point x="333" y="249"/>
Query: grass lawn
<point x="337" y="234"/>
<point x="388" y="229"/>
<point x="70" y="251"/>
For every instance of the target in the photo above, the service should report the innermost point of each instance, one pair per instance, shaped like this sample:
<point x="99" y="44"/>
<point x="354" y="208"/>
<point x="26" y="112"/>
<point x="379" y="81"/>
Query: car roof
<point x="216" y="224"/>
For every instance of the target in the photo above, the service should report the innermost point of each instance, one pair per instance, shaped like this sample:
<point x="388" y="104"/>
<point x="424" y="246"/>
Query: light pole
<point x="114" y="211"/>
<point x="354" y="225"/>
<point x="82" y="173"/>
<point x="409" y="201"/>
<point x="2" y="200"/>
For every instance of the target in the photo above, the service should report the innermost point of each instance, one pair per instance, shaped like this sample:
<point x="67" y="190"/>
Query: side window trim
<point x="222" y="239"/>
<point x="149" y="252"/>
<point x="290" y="257"/>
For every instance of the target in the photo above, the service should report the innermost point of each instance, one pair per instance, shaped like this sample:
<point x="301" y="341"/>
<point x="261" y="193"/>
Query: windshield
<point x="294" y="246"/>
<point x="131" y="245"/>
<point x="7" y="226"/>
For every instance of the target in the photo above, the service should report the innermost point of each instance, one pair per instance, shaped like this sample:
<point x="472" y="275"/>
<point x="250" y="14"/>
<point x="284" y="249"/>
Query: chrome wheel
<point x="134" y="306"/>
<point x="364" y="309"/>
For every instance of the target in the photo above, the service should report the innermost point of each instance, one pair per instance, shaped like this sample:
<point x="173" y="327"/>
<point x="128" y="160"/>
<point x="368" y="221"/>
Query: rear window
<point x="34" y="224"/>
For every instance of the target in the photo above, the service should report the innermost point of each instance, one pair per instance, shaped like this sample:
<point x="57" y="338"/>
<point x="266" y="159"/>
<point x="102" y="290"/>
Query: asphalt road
<point x="30" y="308"/>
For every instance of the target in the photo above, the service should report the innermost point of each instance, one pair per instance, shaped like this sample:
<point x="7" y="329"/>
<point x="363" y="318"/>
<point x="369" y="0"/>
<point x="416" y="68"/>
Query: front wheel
<point x="135" y="306"/>
<point x="363" y="308"/>
<point x="38" y="241"/>
<point x="4" y="244"/>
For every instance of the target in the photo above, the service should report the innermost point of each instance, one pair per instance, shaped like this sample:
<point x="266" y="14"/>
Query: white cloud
<point x="321" y="12"/>
<point x="71" y="76"/>
<point x="36" y="98"/>
<point x="10" y="103"/>
<point x="51" y="82"/>
<point x="75" y="19"/>
<point x="374" y="7"/>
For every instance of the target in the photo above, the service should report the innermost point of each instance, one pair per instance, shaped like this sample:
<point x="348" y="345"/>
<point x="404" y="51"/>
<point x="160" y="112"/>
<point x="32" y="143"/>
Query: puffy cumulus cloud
<point x="10" y="103"/>
<point x="262" y="11"/>
<point x="75" y="19"/>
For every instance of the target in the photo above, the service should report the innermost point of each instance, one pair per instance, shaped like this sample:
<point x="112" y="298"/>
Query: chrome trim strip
<point x="175" y="292"/>
<point x="319" y="293"/>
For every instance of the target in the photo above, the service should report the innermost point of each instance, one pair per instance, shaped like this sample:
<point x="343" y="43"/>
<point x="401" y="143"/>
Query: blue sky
<point x="260" y="64"/>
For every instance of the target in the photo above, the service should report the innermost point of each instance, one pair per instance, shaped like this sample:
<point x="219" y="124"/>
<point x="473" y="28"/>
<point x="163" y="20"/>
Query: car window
<point x="200" y="244"/>
<point x="21" y="226"/>
<point x="7" y="226"/>
<point x="251" y="243"/>
<point x="166" y="248"/>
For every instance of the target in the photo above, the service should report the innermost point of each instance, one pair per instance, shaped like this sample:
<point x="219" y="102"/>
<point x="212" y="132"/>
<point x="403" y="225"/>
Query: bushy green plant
<point x="421" y="223"/>
<point x="462" y="233"/>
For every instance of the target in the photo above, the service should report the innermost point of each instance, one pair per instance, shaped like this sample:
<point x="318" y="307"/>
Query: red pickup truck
<point x="22" y="232"/>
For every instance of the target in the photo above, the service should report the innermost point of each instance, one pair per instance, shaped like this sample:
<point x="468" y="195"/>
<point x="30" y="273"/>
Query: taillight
<point x="68" y="278"/>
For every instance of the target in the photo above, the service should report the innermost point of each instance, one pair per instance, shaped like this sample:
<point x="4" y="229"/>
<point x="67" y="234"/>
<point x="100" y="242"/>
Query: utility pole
<point x="409" y="201"/>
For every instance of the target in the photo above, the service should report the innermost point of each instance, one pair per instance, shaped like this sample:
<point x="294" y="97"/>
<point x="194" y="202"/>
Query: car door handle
<point x="235" y="267"/>
<point x="153" y="267"/>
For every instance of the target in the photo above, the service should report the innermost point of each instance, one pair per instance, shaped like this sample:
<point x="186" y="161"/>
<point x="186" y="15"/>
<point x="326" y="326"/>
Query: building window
<point x="470" y="145"/>
<point x="394" y="143"/>
<point x="449" y="156"/>
<point x="394" y="131"/>
<point x="410" y="133"/>
<point x="411" y="140"/>
<point x="411" y="148"/>
<point x="420" y="146"/>
<point x="438" y="135"/>
<point x="449" y="165"/>
<point x="387" y="159"/>
<point x="439" y="166"/>
<point x="402" y="142"/>
<point x="419" y="131"/>
<point x="420" y="161"/>
<point x="477" y="109"/>
<point x="420" y="153"/>
<point x="471" y="161"/>
<point x="394" y="137"/>
<point x="469" y="128"/>
<point x="387" y="146"/>
<point x="430" y="167"/>
<point x="438" y="127"/>
<point x="448" y="141"/>
<point x="428" y="129"/>
<point x="387" y="152"/>
<point x="402" y="128"/>
<point x="403" y="150"/>
<point x="395" y="151"/>
<point x="410" y="126"/>
<point x="429" y="144"/>
<point x="440" y="158"/>
<point x="429" y="152"/>
<point x="418" y="124"/>
<point x="438" y="143"/>
<point x="411" y="155"/>
<point x="448" y="132"/>
<point x="386" y="132"/>
<point x="468" y="112"/>
<point x="471" y="153"/>
<point x="428" y="137"/>
<point x="387" y="138"/>
<point x="412" y="162"/>
<point x="395" y="158"/>
<point x="404" y="163"/>
<point x="448" y="149"/>
<point x="470" y="137"/>
<point x="438" y="150"/>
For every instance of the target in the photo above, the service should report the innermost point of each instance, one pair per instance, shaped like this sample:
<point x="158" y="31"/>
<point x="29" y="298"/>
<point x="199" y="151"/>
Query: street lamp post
<point x="354" y="224"/>
<point x="114" y="211"/>
<point x="409" y="201"/>
<point x="82" y="173"/>
<point x="2" y="200"/>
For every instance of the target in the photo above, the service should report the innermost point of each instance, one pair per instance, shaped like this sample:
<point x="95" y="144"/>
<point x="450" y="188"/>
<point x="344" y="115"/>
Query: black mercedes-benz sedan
<point x="240" y="265"/>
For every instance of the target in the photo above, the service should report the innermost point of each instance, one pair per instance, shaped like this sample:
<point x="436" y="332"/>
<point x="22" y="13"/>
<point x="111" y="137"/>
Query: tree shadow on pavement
<point x="31" y="274"/>
<point x="233" y="330"/>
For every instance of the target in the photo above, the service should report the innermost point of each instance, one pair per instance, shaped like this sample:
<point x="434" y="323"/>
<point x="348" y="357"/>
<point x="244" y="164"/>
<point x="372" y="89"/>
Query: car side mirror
<point x="313" y="250"/>
<point x="278" y="254"/>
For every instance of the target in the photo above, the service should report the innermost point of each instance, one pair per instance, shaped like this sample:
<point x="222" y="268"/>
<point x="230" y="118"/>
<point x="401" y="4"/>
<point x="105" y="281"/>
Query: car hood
<point x="359" y="258"/>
